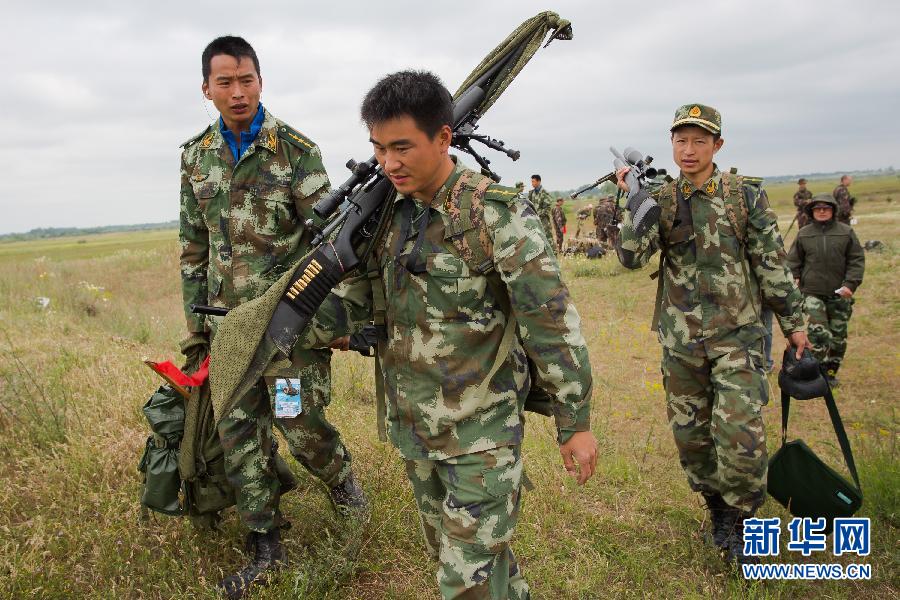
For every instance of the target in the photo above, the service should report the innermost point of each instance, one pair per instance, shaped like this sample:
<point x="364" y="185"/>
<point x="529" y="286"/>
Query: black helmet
<point x="801" y="379"/>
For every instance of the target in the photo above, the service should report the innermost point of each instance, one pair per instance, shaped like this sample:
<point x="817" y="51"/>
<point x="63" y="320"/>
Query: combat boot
<point x="348" y="498"/>
<point x="268" y="557"/>
<point x="734" y="541"/>
<point x="721" y="518"/>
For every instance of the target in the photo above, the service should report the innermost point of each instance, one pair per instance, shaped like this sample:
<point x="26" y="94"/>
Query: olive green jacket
<point x="827" y="257"/>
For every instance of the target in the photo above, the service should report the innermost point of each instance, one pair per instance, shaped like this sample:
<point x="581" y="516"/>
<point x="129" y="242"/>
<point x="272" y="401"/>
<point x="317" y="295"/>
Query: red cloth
<point x="174" y="373"/>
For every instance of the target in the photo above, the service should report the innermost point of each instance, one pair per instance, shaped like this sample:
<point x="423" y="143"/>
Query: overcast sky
<point x="98" y="96"/>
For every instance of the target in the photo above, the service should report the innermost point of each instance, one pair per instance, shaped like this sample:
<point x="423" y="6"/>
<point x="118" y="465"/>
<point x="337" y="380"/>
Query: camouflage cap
<point x="700" y="115"/>
<point x="801" y="181"/>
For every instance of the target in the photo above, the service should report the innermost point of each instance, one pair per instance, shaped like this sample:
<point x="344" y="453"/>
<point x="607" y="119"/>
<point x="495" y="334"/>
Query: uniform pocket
<point x="506" y="477"/>
<point x="273" y="208"/>
<point x="205" y="189"/>
<point x="453" y="293"/>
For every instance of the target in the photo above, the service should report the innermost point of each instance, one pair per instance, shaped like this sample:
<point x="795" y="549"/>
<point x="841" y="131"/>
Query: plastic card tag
<point x="287" y="398"/>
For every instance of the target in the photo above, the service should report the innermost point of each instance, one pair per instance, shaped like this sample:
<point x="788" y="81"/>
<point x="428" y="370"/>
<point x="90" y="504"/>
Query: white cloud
<point x="100" y="94"/>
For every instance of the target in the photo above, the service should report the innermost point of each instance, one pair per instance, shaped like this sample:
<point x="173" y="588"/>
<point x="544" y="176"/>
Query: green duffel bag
<point x="161" y="487"/>
<point x="801" y="482"/>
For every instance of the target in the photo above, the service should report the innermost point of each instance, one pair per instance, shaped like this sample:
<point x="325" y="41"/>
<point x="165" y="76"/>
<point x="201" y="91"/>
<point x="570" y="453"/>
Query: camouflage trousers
<point x="558" y="232"/>
<point x="828" y="321"/>
<point x="249" y="444"/>
<point x="607" y="234"/>
<point x="715" y="411"/>
<point x="468" y="507"/>
<point x="802" y="219"/>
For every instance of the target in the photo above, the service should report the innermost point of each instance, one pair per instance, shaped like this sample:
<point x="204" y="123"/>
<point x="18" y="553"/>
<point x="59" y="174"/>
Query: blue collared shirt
<point x="247" y="137"/>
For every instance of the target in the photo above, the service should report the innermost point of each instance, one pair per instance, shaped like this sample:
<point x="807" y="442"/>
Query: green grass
<point x="71" y="433"/>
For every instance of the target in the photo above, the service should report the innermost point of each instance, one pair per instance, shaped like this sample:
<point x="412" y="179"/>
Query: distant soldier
<point x="828" y="262"/>
<point x="559" y="223"/>
<point x="583" y="214"/>
<point x="845" y="201"/>
<point x="801" y="197"/>
<point x="542" y="203"/>
<point x="604" y="217"/>
<point x="520" y="186"/>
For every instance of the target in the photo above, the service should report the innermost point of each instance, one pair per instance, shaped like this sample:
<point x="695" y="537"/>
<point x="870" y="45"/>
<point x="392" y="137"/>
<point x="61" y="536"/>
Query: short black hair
<point x="231" y="45"/>
<point x="538" y="177"/>
<point x="418" y="94"/>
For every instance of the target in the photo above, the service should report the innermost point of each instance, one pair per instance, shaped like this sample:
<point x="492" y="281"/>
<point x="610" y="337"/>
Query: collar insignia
<point x="206" y="142"/>
<point x="711" y="188"/>
<point x="686" y="189"/>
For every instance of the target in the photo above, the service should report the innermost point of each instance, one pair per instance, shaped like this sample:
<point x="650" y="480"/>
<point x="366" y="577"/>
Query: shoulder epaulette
<point x="294" y="137"/>
<point x="190" y="141"/>
<point x="501" y="193"/>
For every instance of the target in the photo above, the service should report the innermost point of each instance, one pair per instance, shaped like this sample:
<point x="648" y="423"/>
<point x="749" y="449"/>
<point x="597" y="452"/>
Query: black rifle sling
<point x="836" y="423"/>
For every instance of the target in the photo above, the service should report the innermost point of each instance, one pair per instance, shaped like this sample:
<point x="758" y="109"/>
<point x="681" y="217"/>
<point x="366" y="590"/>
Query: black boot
<point x="268" y="557"/>
<point x="721" y="518"/>
<point x="734" y="541"/>
<point x="348" y="498"/>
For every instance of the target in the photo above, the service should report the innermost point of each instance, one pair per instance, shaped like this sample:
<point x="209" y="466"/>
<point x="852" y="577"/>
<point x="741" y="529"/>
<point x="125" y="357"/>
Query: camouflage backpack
<point x="737" y="192"/>
<point x="472" y="243"/>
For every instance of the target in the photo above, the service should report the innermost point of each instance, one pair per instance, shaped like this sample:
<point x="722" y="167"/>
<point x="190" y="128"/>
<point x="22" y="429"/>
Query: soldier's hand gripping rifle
<point x="356" y="211"/>
<point x="643" y="208"/>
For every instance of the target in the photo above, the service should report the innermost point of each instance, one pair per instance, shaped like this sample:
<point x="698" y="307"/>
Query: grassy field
<point x="71" y="433"/>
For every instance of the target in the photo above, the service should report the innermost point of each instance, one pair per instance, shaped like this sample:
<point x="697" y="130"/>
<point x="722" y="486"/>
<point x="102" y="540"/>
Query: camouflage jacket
<point x="845" y="203"/>
<point x="242" y="224"/>
<point x="444" y="328"/>
<point x="705" y="296"/>
<point x="541" y="201"/>
<point x="801" y="197"/>
<point x="559" y="217"/>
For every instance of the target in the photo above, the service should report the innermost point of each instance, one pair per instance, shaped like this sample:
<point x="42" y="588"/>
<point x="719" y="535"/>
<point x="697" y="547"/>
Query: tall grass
<point x="71" y="432"/>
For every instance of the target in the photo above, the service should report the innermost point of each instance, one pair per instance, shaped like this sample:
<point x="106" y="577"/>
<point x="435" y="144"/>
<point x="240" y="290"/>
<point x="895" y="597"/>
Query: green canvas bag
<point x="159" y="463"/>
<point x="801" y="482"/>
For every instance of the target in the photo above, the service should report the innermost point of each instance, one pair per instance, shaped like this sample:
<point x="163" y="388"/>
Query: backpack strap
<point x="472" y="242"/>
<point x="735" y="199"/>
<point x="379" y="313"/>
<point x="467" y="231"/>
<point x="737" y="195"/>
<point x="667" y="204"/>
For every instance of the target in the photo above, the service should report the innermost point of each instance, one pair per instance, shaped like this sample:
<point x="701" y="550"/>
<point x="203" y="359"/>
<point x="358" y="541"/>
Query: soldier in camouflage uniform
<point x="455" y="374"/>
<point x="722" y="259"/>
<point x="604" y="216"/>
<point x="801" y="197"/>
<point x="582" y="215"/>
<point x="559" y="223"/>
<point x="828" y="262"/>
<point x="845" y="201"/>
<point x="248" y="182"/>
<point x="542" y="202"/>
